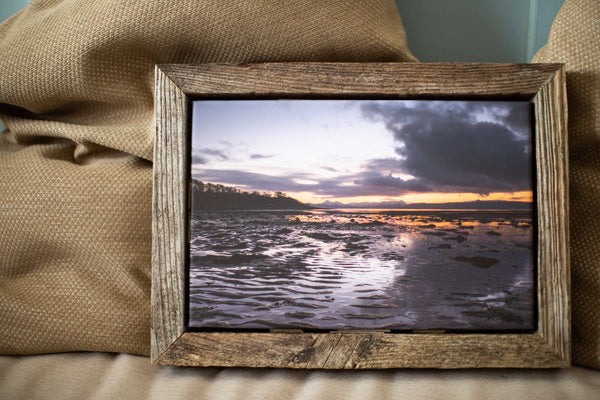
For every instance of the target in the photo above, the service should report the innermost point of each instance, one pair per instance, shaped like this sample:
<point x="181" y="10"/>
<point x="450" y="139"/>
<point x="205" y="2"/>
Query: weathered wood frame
<point x="178" y="85"/>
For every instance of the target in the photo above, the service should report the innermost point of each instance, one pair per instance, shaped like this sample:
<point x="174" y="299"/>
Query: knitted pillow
<point x="76" y="94"/>
<point x="575" y="41"/>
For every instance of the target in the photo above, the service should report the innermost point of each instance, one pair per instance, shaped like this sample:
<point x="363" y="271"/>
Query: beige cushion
<point x="76" y="93"/>
<point x="575" y="41"/>
<point x="102" y="376"/>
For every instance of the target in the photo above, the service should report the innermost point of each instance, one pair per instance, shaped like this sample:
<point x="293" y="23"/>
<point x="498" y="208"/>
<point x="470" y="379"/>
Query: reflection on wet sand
<point x="384" y="269"/>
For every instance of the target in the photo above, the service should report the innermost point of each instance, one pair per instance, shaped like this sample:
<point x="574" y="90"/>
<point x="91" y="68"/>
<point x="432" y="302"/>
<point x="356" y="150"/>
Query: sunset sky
<point x="366" y="151"/>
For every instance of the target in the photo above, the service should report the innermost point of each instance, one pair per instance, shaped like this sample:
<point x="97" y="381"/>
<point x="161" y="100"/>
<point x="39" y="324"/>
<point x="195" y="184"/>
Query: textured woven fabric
<point x="76" y="93"/>
<point x="101" y="376"/>
<point x="575" y="41"/>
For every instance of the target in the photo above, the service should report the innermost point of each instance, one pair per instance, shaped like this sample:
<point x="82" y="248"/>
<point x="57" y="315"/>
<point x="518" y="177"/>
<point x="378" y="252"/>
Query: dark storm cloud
<point x="215" y="153"/>
<point x="439" y="146"/>
<point x="443" y="146"/>
<point x="388" y="185"/>
<point x="481" y="157"/>
<point x="518" y="120"/>
<point x="259" y="156"/>
<point x="197" y="159"/>
<point x="363" y="184"/>
<point x="513" y="115"/>
<point x="384" y="165"/>
<point x="205" y="155"/>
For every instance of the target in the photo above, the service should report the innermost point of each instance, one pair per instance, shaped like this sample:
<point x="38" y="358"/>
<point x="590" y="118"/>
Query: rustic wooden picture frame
<point x="178" y="85"/>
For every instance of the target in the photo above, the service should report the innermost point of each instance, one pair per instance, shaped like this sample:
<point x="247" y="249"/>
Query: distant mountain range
<point x="465" y="205"/>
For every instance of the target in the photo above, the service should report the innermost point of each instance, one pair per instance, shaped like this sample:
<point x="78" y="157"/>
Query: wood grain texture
<point x="552" y="203"/>
<point x="362" y="351"/>
<point x="343" y="80"/>
<point x="543" y="84"/>
<point x="168" y="214"/>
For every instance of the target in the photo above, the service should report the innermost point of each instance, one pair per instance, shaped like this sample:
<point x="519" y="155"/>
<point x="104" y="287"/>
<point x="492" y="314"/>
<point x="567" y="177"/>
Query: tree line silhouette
<point x="214" y="196"/>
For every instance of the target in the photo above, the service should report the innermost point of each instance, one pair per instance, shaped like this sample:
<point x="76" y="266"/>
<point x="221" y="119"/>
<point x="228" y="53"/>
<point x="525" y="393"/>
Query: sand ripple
<point x="355" y="269"/>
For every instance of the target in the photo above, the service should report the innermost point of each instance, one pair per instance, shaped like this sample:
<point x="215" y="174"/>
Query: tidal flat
<point x="362" y="269"/>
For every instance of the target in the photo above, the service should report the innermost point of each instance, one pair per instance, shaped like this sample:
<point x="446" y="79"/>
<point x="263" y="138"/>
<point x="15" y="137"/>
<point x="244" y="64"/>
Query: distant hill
<point x="467" y="205"/>
<point x="210" y="196"/>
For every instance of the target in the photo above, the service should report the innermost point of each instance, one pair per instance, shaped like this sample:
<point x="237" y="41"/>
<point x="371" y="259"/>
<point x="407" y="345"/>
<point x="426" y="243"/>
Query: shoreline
<point x="352" y="269"/>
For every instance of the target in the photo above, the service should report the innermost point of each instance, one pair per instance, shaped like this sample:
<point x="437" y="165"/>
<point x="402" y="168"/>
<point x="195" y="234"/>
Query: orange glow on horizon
<point x="307" y="197"/>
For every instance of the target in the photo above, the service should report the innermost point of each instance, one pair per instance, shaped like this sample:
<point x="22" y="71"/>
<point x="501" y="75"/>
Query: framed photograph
<point x="361" y="215"/>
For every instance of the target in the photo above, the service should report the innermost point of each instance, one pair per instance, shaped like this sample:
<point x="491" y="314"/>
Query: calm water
<point x="336" y="269"/>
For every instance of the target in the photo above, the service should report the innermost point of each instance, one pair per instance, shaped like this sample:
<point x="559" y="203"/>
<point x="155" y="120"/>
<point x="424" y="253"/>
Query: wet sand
<point x="372" y="269"/>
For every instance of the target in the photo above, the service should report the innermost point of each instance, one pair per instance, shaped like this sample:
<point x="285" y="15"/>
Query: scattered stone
<point x="459" y="238"/>
<point x="435" y="233"/>
<point x="479" y="262"/>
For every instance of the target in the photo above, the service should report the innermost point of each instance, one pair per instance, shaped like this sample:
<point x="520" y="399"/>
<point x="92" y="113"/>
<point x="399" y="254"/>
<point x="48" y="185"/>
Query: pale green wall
<point x="546" y="12"/>
<point x="477" y="30"/>
<point x="456" y="30"/>
<point x="9" y="7"/>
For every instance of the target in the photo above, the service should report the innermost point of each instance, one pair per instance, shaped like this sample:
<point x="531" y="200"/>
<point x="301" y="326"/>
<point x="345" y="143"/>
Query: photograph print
<point x="357" y="214"/>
